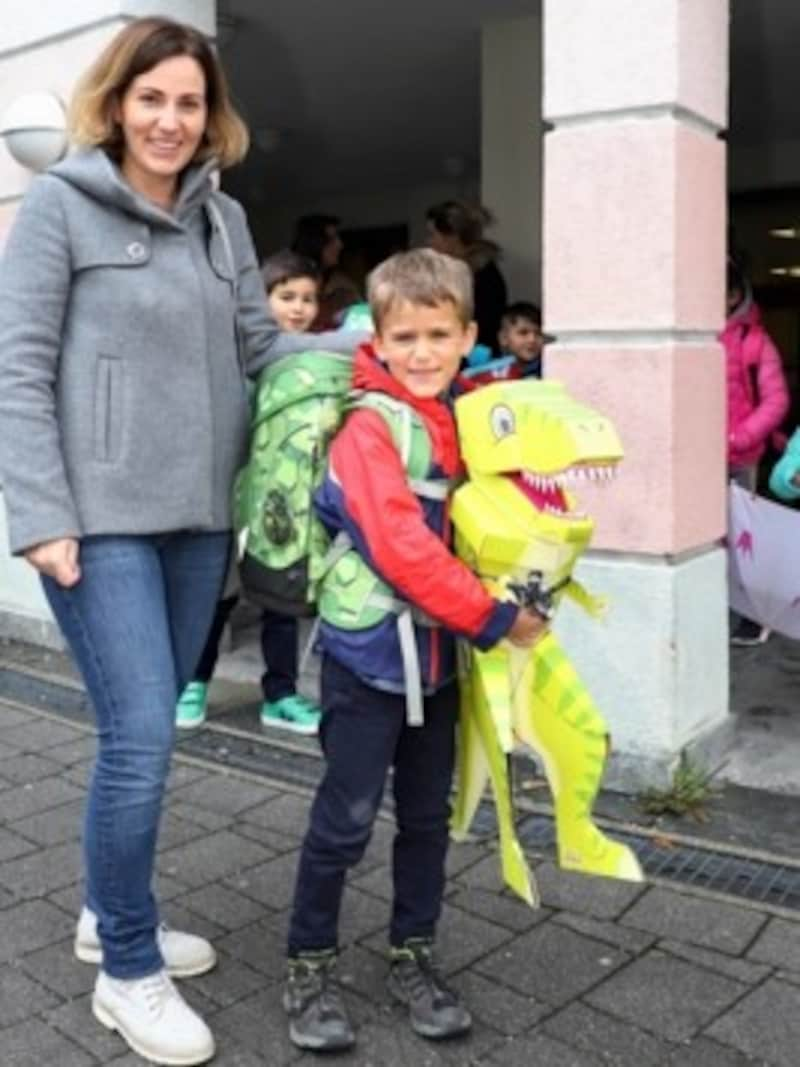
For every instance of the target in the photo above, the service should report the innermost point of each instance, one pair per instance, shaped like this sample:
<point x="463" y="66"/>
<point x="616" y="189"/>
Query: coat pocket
<point x="108" y="386"/>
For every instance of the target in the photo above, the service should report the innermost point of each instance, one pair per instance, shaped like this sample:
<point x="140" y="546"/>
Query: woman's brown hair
<point x="136" y="49"/>
<point x="462" y="219"/>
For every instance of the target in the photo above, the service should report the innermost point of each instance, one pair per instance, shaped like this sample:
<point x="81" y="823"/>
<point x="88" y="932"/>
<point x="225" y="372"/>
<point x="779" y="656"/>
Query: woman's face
<point x="163" y="117"/>
<point x="332" y="248"/>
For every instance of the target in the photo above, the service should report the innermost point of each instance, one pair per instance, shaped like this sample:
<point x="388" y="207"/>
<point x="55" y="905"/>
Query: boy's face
<point x="522" y="338"/>
<point x="294" y="304"/>
<point x="423" y="346"/>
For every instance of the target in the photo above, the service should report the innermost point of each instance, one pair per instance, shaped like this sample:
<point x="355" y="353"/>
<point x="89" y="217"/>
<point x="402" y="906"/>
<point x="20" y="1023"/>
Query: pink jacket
<point x="757" y="395"/>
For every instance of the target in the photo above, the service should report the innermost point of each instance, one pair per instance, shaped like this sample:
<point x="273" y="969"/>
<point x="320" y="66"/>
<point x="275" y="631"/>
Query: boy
<point x="292" y="284"/>
<point x="421" y="302"/>
<point x="520" y="339"/>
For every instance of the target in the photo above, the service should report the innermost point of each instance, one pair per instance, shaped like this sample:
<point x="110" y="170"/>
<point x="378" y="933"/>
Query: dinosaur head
<point x="536" y="444"/>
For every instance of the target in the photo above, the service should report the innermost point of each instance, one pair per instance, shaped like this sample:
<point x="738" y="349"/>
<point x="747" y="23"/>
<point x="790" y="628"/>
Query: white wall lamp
<point x="34" y="127"/>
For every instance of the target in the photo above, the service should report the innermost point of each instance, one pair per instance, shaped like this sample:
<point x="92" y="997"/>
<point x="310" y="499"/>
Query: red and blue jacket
<point x="405" y="540"/>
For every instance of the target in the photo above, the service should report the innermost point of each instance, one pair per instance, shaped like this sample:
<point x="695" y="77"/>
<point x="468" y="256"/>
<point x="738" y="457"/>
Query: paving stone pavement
<point x="604" y="975"/>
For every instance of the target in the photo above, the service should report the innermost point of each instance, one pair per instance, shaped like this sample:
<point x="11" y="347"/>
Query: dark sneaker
<point x="317" y="1015"/>
<point x="748" y="634"/>
<point x="435" y="1010"/>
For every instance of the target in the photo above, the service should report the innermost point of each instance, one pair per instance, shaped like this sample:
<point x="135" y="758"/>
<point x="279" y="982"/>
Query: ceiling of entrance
<point x="765" y="76"/>
<point x="358" y="95"/>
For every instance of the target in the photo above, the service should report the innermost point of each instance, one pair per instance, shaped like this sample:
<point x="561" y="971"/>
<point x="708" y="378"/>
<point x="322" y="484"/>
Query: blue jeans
<point x="135" y="624"/>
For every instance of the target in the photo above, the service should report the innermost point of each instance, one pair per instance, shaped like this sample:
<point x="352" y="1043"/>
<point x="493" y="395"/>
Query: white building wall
<point x="511" y="148"/>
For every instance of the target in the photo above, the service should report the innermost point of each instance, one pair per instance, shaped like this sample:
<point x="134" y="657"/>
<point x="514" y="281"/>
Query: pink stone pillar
<point x="634" y="256"/>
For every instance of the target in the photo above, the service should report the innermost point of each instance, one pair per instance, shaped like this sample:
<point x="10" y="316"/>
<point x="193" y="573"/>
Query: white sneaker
<point x="155" y="1020"/>
<point x="184" y="955"/>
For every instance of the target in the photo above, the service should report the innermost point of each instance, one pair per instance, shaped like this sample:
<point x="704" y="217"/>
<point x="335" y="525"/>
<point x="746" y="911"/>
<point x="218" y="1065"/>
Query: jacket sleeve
<point x="260" y="335"/>
<point x="773" y="399"/>
<point x="384" y="516"/>
<point x="35" y="279"/>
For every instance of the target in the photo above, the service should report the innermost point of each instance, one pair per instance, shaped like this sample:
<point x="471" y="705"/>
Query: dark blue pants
<point x="363" y="734"/>
<point x="278" y="648"/>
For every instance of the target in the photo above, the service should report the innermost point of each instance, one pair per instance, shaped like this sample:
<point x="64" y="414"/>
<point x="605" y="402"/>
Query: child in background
<point x="521" y="340"/>
<point x="758" y="400"/>
<point x="292" y="285"/>
<point x="421" y="303"/>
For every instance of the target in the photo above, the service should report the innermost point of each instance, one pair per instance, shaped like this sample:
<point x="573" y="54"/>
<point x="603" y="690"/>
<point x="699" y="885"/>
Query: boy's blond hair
<point x="420" y="276"/>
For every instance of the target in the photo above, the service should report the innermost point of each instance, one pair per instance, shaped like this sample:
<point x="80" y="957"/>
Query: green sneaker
<point x="190" y="710"/>
<point x="293" y="713"/>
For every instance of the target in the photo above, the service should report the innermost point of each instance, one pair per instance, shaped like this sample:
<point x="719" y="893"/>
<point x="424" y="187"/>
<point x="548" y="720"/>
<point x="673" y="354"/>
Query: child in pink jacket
<point x="758" y="399"/>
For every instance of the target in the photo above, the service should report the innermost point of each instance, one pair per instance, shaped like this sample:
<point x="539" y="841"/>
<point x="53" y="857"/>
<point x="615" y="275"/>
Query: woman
<point x="130" y="306"/>
<point x="456" y="227"/>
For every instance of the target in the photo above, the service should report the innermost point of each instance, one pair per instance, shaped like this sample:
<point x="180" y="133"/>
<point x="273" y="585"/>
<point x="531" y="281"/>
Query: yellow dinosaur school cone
<point x="518" y="528"/>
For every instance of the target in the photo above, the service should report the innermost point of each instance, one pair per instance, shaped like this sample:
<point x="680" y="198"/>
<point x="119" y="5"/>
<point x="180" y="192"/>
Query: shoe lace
<point x="157" y="989"/>
<point x="420" y="974"/>
<point x="313" y="980"/>
<point x="298" y="705"/>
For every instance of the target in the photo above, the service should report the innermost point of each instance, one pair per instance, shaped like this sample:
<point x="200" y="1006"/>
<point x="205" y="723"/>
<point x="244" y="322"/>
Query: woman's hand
<point x="528" y="628"/>
<point x="57" y="559"/>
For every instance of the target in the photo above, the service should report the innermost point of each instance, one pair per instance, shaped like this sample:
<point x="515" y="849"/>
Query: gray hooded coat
<point x="123" y="406"/>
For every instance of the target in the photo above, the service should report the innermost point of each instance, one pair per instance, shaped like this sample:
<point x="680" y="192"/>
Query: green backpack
<point x="299" y="405"/>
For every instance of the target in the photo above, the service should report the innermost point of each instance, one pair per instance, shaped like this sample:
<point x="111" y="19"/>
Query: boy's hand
<point x="528" y="628"/>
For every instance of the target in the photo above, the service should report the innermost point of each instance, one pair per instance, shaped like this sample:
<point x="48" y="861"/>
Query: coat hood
<point x="371" y="375"/>
<point x="746" y="315"/>
<point x="95" y="173"/>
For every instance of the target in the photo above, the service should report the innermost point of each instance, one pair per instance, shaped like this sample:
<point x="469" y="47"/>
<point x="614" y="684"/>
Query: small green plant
<point x="690" y="792"/>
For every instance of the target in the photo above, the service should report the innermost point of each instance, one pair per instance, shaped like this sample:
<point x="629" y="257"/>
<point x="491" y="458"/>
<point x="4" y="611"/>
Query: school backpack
<point x="299" y="404"/>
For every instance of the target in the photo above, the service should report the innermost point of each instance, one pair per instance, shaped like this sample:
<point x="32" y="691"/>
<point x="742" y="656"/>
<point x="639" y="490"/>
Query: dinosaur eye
<point x="503" y="423"/>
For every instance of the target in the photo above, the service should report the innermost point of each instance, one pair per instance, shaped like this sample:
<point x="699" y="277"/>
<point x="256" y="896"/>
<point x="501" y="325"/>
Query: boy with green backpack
<point x="292" y="285"/>
<point x="391" y="597"/>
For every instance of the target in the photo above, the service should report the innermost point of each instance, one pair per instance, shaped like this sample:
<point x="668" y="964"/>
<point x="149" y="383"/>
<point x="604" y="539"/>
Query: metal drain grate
<point x="759" y="881"/>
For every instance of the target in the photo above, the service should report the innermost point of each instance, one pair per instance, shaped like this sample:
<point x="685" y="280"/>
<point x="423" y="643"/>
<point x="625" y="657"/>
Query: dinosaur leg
<point x="473" y="765"/>
<point x="491" y="714"/>
<point x="563" y="725"/>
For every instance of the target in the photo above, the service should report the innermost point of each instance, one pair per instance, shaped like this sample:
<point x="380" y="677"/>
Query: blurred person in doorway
<point x="317" y="237"/>
<point x="456" y="227"/>
<point x="758" y="401"/>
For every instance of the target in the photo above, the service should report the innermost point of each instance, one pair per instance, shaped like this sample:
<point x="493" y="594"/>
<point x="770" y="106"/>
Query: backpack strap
<point x="403" y="422"/>
<point x="404" y="425"/>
